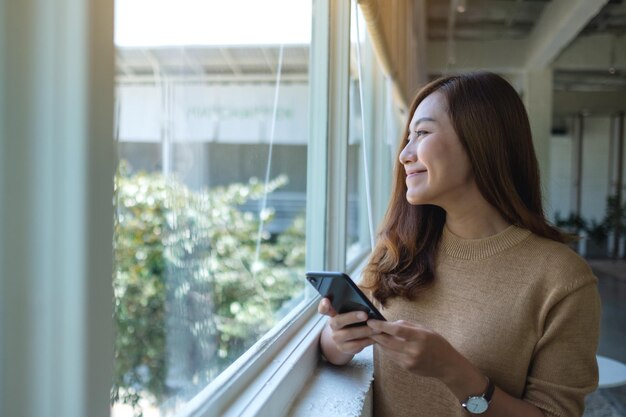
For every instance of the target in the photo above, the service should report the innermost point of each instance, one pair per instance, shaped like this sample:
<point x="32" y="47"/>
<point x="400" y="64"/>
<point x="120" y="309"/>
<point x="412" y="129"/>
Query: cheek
<point x="430" y="155"/>
<point x="444" y="161"/>
<point x="461" y="164"/>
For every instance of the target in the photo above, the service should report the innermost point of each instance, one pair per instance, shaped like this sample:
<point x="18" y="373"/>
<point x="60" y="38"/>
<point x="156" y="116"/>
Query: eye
<point x="417" y="134"/>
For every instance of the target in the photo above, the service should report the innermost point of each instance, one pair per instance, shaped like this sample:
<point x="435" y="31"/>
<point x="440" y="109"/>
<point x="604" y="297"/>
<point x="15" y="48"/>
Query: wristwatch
<point x="478" y="404"/>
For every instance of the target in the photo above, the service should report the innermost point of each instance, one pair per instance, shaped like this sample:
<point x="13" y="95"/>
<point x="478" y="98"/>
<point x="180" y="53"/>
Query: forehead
<point x="434" y="106"/>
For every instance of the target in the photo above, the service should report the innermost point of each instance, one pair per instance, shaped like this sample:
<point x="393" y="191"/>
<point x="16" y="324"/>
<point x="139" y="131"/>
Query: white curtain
<point x="56" y="215"/>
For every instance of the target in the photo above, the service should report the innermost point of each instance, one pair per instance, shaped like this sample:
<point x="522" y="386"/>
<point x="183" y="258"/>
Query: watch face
<point x="476" y="405"/>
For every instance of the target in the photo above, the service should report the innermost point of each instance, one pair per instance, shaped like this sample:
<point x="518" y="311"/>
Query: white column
<point x="537" y="97"/>
<point x="56" y="216"/>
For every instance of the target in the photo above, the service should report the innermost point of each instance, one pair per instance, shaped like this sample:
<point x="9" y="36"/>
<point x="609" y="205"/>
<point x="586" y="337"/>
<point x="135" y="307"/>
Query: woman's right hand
<point x="347" y="340"/>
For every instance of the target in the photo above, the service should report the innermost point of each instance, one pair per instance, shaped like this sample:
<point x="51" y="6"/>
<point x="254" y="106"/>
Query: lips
<point x="414" y="172"/>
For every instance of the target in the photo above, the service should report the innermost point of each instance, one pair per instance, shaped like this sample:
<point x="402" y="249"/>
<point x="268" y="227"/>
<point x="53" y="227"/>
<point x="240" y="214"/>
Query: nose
<point x="408" y="154"/>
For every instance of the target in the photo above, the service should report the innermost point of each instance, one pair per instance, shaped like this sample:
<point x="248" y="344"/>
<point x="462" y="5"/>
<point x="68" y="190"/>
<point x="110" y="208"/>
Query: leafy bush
<point x="572" y="224"/>
<point x="192" y="290"/>
<point x="614" y="219"/>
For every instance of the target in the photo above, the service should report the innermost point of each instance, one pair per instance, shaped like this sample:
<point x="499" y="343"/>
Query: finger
<point x="355" y="346"/>
<point x="351" y="333"/>
<point x="395" y="356"/>
<point x="326" y="308"/>
<point x="388" y="342"/>
<point x="401" y="328"/>
<point x="342" y="320"/>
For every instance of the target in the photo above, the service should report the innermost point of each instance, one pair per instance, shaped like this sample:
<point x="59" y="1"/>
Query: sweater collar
<point x="474" y="249"/>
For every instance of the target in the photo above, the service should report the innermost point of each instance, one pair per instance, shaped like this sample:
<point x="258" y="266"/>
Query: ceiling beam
<point x="558" y="25"/>
<point x="585" y="53"/>
<point x="599" y="103"/>
<point x="508" y="22"/>
<point x="594" y="52"/>
<point x="496" y="55"/>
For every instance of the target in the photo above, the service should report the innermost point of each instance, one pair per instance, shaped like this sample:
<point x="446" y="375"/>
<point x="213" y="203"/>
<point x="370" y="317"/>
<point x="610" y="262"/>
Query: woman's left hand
<point x="417" y="348"/>
<point x="427" y="353"/>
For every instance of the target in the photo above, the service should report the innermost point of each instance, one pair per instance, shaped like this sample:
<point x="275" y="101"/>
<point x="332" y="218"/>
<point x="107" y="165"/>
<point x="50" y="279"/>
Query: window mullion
<point x="338" y="120"/>
<point x="328" y="136"/>
<point x="317" y="163"/>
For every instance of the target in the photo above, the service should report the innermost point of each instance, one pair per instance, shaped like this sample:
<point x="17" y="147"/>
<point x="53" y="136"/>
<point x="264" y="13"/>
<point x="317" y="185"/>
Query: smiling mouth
<point x="414" y="173"/>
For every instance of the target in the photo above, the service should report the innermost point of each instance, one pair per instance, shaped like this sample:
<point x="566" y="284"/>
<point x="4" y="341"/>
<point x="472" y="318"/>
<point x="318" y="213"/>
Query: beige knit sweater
<point x="523" y="309"/>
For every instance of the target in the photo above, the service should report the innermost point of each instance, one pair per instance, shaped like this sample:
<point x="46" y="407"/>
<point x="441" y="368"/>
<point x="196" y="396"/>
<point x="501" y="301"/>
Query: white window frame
<point x="57" y="161"/>
<point x="265" y="380"/>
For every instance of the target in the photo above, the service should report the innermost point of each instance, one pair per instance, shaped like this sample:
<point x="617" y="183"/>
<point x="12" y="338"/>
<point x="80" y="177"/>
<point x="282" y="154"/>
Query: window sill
<point x="334" y="391"/>
<point x="267" y="378"/>
<point x="281" y="375"/>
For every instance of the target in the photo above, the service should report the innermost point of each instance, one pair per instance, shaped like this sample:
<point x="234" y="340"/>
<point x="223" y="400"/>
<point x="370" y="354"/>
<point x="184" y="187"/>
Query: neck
<point x="474" y="219"/>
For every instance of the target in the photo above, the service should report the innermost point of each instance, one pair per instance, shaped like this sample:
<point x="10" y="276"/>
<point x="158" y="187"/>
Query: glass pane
<point x="358" y="222"/>
<point x="212" y="125"/>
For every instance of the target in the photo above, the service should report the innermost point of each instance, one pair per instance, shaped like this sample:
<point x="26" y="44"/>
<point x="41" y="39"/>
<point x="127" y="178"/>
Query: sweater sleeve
<point x="564" y="367"/>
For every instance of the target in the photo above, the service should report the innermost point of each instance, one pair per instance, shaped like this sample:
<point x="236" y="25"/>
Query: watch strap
<point x="489" y="391"/>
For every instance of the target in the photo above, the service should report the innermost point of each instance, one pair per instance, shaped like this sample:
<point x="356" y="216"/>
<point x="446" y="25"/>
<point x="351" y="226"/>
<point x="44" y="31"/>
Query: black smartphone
<point x="343" y="293"/>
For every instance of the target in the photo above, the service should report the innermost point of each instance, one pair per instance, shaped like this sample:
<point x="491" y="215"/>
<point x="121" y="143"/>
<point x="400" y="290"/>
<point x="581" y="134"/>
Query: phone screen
<point x="343" y="293"/>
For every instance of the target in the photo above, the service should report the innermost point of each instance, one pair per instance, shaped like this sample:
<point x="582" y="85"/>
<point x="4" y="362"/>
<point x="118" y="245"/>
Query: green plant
<point x="572" y="224"/>
<point x="597" y="231"/>
<point x="615" y="221"/>
<point x="615" y="213"/>
<point x="192" y="290"/>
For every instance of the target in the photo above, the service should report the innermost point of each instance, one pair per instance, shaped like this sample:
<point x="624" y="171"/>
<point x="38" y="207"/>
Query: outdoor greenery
<point x="192" y="290"/>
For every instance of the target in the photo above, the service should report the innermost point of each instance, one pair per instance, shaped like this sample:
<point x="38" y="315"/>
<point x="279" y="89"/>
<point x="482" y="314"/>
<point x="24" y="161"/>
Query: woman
<point x="488" y="310"/>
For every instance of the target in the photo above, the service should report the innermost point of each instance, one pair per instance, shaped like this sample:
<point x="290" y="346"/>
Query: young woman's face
<point x="438" y="170"/>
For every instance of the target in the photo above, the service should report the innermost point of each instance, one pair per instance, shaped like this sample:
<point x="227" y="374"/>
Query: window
<point x="359" y="146"/>
<point x="372" y="141"/>
<point x="212" y="130"/>
<point x="58" y="171"/>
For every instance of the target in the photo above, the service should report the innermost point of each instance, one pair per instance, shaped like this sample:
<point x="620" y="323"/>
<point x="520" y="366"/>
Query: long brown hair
<point x="490" y="120"/>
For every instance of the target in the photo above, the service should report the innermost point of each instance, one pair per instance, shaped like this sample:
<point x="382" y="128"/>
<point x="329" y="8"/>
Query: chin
<point x="414" y="200"/>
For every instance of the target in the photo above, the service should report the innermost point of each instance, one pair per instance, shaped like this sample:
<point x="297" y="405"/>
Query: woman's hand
<point x="422" y="351"/>
<point x="339" y="342"/>
<point x="427" y="353"/>
<point x="416" y="348"/>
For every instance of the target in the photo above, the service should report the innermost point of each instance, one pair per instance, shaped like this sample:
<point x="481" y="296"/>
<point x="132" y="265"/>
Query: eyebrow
<point x="420" y="120"/>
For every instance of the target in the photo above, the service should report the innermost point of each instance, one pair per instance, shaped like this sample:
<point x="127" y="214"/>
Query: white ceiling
<point x="584" y="41"/>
